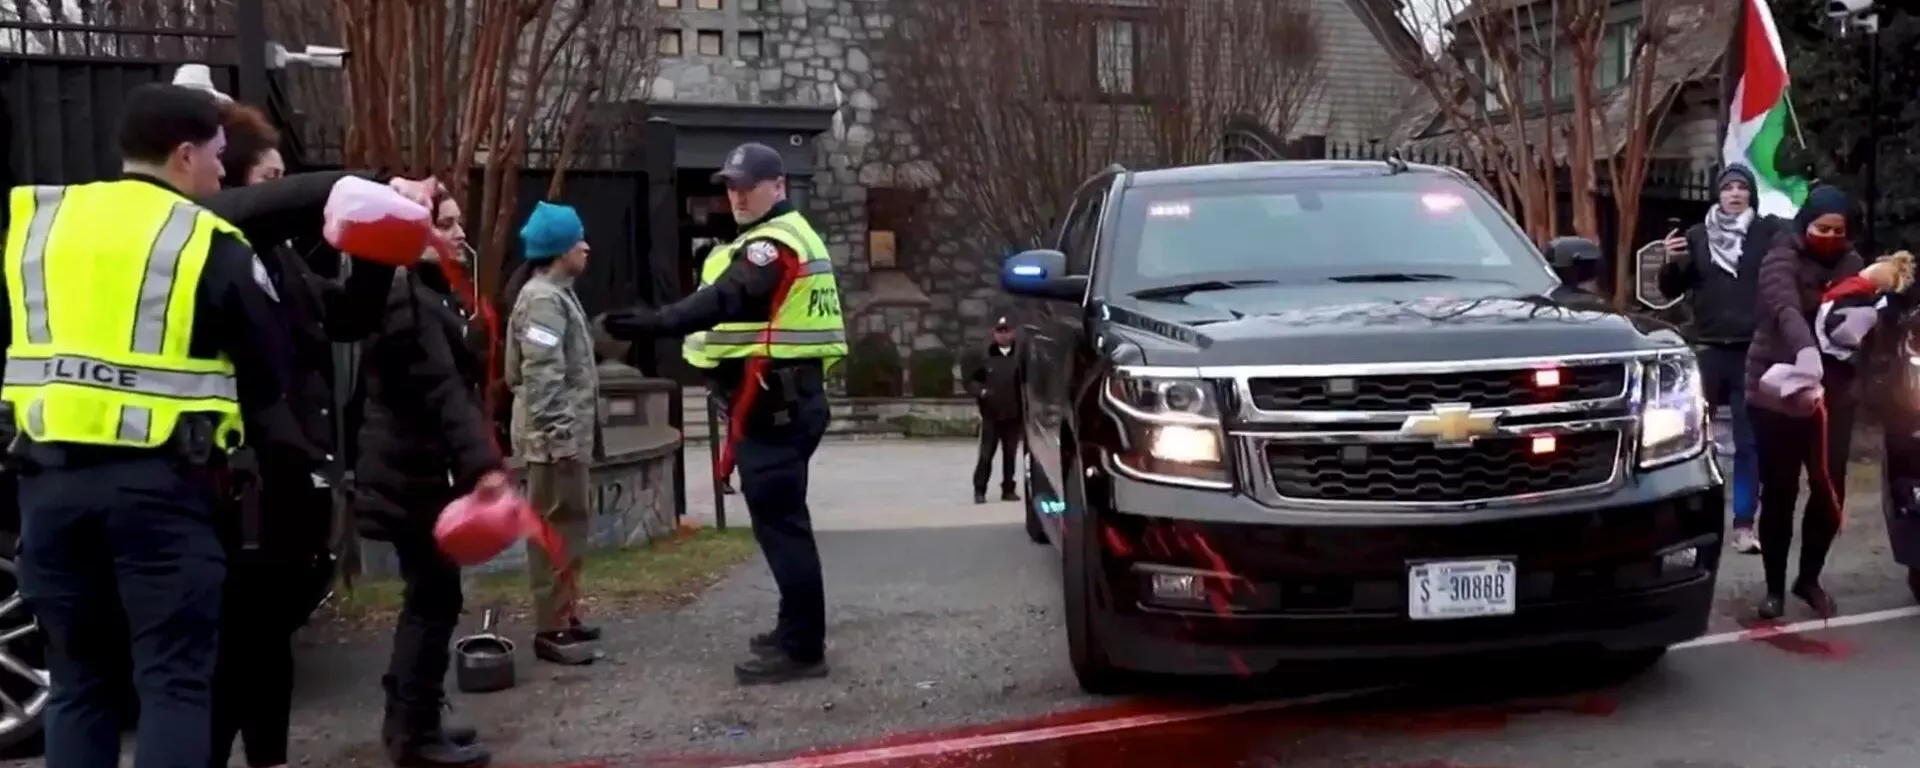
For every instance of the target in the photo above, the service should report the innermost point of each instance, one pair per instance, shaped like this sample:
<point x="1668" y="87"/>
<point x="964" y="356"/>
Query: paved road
<point x="944" y="616"/>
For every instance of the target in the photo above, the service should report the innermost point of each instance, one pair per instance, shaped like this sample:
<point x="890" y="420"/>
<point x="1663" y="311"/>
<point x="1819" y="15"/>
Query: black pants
<point x="1789" y="445"/>
<point x="268" y="593"/>
<point x="430" y="607"/>
<point x="1005" y="435"/>
<point x="773" y="479"/>
<point x="112" y="551"/>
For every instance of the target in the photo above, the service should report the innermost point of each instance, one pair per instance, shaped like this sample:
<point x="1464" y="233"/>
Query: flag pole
<point x="1794" y="116"/>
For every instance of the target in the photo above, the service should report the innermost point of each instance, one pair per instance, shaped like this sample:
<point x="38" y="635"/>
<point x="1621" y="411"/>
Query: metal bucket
<point x="483" y="662"/>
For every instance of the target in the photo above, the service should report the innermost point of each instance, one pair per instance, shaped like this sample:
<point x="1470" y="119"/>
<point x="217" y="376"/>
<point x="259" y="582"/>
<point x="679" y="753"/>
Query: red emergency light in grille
<point x="1546" y="378"/>
<point x="1544" y="445"/>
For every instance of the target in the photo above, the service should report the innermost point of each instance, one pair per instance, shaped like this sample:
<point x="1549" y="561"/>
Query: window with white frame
<point x="1116" y="51"/>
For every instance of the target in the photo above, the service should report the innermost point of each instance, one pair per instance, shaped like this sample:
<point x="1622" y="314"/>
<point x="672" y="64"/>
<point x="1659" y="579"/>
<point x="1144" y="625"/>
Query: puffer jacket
<point x="423" y="436"/>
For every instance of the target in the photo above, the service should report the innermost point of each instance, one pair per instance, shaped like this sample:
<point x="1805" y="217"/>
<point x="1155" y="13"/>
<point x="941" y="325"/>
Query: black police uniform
<point x="133" y="528"/>
<point x="780" y="434"/>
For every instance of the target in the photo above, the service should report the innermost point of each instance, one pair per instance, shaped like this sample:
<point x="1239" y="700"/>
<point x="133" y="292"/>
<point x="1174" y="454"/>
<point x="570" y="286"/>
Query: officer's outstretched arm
<point x="743" y="294"/>
<point x="539" y="327"/>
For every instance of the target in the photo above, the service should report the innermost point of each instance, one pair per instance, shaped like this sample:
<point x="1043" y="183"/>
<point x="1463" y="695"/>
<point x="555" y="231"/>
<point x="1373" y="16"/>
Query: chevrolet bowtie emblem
<point x="1450" y="424"/>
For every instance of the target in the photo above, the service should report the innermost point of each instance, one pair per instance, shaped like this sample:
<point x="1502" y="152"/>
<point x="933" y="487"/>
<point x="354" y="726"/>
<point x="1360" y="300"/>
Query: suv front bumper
<point x="1592" y="571"/>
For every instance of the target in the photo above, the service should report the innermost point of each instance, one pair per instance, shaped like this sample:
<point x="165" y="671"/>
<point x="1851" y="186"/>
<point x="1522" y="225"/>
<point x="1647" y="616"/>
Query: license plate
<point x="1459" y="589"/>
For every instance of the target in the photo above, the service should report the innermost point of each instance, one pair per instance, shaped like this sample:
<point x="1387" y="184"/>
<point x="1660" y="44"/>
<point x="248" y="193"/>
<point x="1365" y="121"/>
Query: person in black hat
<point x="772" y="329"/>
<point x="994" y="382"/>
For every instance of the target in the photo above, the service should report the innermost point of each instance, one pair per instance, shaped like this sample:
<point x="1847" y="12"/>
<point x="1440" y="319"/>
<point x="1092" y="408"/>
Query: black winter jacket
<point x="282" y="219"/>
<point x="994" y="382"/>
<point x="424" y="438"/>
<point x="1722" y="303"/>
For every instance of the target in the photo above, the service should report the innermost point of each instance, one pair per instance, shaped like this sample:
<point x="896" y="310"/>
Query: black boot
<point x="1817" y="599"/>
<point x="764" y="644"/>
<point x="1772" y="607"/>
<point x="979" y="497"/>
<point x="776" y="668"/>
<point x="416" y="738"/>
<point x="1007" y="494"/>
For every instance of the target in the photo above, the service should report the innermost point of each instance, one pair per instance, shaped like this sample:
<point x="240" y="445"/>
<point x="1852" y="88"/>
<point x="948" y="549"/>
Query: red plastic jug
<point x="477" y="527"/>
<point x="374" y="221"/>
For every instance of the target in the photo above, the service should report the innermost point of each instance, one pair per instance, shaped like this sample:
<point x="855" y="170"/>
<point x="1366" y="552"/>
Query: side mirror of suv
<point x="1041" y="274"/>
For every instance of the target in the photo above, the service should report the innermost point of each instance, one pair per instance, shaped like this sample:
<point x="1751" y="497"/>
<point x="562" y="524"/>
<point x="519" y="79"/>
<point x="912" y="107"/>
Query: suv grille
<point x="1491" y="468"/>
<point x="1419" y="392"/>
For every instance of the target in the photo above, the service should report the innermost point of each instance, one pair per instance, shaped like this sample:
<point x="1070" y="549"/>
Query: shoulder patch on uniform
<point x="264" y="280"/>
<point x="762" y="252"/>
<point x="538" y="335"/>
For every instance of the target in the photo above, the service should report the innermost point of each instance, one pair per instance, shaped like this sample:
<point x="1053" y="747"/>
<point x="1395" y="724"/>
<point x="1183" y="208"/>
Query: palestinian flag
<point x="1758" y="119"/>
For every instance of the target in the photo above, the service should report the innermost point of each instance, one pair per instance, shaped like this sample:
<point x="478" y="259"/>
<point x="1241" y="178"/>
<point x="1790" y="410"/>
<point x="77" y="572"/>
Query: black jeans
<point x="268" y="593"/>
<point x="430" y="607"/>
<point x="773" y="479"/>
<point x="1787" y="446"/>
<point x="1003" y="434"/>
<point x="112" y="551"/>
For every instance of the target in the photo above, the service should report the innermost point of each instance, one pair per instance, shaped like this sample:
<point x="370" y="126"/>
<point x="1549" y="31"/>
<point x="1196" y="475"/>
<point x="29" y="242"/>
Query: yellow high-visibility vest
<point x="103" y="280"/>
<point x="808" y="324"/>
<point x="693" y="348"/>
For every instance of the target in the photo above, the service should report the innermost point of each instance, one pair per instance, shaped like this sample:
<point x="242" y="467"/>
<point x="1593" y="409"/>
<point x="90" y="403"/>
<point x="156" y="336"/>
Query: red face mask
<point x="1827" y="245"/>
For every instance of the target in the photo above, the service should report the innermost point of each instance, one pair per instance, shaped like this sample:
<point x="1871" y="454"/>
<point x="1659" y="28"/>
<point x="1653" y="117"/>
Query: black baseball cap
<point x="1002" y="322"/>
<point x="750" y="164"/>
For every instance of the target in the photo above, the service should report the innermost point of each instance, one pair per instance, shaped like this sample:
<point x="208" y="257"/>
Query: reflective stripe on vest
<point x="693" y="348"/>
<point x="125" y="385"/>
<point x="809" y="324"/>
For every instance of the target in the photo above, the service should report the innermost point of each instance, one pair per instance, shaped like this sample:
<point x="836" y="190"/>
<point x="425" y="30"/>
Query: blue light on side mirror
<point x="1040" y="274"/>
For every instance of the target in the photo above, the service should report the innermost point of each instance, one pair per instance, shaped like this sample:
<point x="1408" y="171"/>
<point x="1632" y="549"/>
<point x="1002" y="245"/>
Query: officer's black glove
<point x="632" y="323"/>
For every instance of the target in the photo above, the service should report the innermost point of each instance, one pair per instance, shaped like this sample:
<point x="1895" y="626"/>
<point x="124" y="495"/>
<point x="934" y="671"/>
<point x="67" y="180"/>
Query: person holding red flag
<point x="773" y="330"/>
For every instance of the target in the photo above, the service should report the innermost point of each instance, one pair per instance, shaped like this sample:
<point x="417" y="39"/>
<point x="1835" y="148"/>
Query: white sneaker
<point x="1744" y="542"/>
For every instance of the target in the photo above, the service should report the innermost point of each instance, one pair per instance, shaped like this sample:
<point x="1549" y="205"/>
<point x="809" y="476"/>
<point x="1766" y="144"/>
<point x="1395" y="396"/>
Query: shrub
<point x="873" y="367"/>
<point x="930" y="372"/>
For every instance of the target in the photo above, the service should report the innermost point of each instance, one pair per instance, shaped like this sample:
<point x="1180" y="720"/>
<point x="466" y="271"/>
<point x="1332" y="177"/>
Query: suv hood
<point x="1337" y="323"/>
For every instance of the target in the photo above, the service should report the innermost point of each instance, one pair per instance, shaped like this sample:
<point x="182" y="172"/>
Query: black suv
<point x="1283" y="411"/>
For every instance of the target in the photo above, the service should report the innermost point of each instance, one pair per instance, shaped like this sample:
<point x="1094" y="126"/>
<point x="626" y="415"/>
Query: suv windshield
<point x="1401" y="228"/>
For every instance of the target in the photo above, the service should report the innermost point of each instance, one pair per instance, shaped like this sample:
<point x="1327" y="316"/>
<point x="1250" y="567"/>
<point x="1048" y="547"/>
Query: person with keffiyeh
<point x="1715" y="264"/>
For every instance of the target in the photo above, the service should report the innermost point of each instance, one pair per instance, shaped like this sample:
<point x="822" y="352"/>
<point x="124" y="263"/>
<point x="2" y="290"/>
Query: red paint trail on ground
<point x="1775" y="635"/>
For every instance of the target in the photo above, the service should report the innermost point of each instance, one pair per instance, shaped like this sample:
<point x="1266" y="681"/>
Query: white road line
<point x="1051" y="733"/>
<point x="1055" y="733"/>
<point x="1798" y="627"/>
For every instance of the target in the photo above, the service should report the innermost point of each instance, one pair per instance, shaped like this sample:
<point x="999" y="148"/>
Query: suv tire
<point x="1080" y="545"/>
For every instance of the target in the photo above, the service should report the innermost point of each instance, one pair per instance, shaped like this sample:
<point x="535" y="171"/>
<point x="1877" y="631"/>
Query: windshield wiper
<point x="1182" y="289"/>
<point x="1393" y="277"/>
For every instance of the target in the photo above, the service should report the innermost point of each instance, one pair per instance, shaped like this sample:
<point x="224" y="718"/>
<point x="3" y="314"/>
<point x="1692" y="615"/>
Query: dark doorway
<point x="704" y="219"/>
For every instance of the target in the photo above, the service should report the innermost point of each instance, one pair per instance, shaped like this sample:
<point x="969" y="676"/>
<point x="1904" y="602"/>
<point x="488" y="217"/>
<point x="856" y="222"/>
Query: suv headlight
<point x="1169" y="427"/>
<point x="1673" y="411"/>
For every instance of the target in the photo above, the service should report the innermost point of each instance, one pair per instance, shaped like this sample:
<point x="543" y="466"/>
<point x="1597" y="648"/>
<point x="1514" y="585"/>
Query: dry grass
<point x="667" y="572"/>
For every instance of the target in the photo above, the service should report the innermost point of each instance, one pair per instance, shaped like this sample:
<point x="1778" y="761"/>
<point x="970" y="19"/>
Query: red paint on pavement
<point x="1774" y="634"/>
<point x="1265" y="738"/>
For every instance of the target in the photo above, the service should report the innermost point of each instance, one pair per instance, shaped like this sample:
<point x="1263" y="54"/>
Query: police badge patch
<point x="762" y="253"/>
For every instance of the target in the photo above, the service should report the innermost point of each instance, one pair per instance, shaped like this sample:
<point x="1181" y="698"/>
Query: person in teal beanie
<point x="550" y="370"/>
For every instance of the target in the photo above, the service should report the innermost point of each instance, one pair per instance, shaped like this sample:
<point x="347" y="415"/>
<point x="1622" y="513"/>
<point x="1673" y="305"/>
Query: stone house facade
<point x="821" y="53"/>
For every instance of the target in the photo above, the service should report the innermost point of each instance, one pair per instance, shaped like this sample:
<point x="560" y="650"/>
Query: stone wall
<point x="823" y="52"/>
<point x="828" y="53"/>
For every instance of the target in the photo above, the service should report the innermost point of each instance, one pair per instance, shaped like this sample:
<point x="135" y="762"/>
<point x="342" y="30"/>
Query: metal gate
<point x="1246" y="140"/>
<point x="64" y="81"/>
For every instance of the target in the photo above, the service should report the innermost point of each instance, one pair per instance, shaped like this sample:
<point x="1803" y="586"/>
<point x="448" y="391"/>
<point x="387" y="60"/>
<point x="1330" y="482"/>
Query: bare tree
<point x="1014" y="103"/>
<point x="1532" y="89"/>
<point x="444" y="87"/>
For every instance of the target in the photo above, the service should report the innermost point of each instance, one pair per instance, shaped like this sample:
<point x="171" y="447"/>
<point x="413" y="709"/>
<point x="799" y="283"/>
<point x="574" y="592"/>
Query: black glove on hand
<point x="632" y="323"/>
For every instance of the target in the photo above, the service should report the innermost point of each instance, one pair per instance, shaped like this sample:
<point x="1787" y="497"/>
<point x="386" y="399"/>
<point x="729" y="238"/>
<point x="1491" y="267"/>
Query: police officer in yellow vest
<point x="139" y="327"/>
<point x="745" y="315"/>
